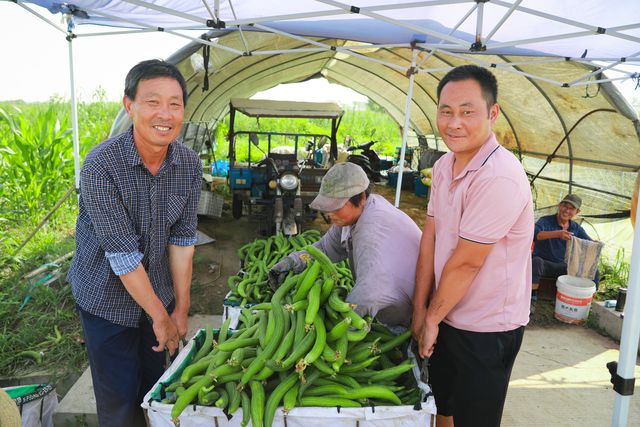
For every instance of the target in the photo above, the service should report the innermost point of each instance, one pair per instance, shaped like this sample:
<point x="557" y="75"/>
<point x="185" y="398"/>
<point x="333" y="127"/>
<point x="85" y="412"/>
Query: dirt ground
<point x="215" y="262"/>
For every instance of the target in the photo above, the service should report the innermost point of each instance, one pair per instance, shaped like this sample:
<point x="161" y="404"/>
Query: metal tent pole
<point x="370" y="14"/>
<point x="624" y="381"/>
<point x="326" y="47"/>
<point x="165" y="30"/>
<point x="74" y="115"/>
<point x="405" y="129"/>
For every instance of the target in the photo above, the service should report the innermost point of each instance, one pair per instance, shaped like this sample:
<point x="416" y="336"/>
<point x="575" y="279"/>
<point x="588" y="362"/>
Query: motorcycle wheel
<point x="236" y="207"/>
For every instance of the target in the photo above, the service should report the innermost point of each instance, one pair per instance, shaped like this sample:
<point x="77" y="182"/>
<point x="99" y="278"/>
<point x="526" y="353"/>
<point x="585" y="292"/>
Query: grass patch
<point x="593" y="322"/>
<point x="544" y="314"/>
<point x="31" y="326"/>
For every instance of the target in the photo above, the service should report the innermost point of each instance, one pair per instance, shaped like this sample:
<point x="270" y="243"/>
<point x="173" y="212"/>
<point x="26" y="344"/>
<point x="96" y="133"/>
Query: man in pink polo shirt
<point x="473" y="278"/>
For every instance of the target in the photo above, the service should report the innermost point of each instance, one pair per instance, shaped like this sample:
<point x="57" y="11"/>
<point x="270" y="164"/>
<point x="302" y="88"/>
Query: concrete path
<point x="560" y="379"/>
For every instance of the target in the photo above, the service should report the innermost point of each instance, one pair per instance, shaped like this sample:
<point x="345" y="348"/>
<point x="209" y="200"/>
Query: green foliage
<point x="356" y="123"/>
<point x="78" y="422"/>
<point x="36" y="155"/>
<point x="544" y="314"/>
<point x="36" y="169"/>
<point x="359" y="125"/>
<point x="48" y="306"/>
<point x="95" y="118"/>
<point x="613" y="275"/>
<point x="593" y="322"/>
<point x="223" y="190"/>
<point x="34" y="162"/>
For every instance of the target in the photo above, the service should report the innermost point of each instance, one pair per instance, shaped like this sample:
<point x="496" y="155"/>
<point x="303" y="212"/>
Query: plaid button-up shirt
<point x="128" y="217"/>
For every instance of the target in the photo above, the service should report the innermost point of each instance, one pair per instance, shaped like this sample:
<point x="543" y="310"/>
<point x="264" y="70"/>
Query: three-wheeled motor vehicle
<point x="280" y="186"/>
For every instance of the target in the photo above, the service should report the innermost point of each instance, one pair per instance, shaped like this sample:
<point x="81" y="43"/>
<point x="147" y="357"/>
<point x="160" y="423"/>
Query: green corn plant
<point x="37" y="161"/>
<point x="95" y="118"/>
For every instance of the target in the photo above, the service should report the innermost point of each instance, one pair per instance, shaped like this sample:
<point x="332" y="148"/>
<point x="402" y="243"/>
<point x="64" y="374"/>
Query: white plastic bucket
<point x="573" y="299"/>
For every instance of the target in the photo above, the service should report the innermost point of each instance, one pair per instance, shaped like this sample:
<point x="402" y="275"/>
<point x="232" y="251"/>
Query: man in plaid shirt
<point x="135" y="237"/>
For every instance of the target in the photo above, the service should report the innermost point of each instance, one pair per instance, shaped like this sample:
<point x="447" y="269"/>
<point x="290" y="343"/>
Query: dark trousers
<point x="543" y="268"/>
<point x="123" y="367"/>
<point x="470" y="372"/>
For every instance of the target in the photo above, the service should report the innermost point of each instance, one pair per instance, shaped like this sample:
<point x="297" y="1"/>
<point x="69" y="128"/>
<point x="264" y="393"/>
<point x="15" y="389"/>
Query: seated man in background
<point x="551" y="235"/>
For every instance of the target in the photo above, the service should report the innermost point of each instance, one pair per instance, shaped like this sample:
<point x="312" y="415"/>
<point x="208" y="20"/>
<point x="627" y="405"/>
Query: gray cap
<point x="573" y="199"/>
<point x="342" y="182"/>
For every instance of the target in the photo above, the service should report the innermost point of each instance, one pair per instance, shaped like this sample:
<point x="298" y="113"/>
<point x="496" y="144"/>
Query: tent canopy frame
<point x="454" y="50"/>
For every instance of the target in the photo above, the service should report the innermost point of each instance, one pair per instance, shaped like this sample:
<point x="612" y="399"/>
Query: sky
<point x="35" y="62"/>
<point x="35" y="58"/>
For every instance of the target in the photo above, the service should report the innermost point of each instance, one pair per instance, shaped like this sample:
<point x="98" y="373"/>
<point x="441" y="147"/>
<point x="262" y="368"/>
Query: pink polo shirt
<point x="490" y="203"/>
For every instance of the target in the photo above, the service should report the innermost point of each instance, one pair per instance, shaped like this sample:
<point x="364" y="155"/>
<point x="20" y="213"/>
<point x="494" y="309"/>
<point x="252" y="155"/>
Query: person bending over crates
<point x="135" y="236"/>
<point x="380" y="242"/>
<point x="550" y="237"/>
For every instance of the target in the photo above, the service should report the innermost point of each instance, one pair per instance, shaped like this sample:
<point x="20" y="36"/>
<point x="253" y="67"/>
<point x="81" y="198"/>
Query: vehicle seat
<point x="284" y="160"/>
<point x="366" y="145"/>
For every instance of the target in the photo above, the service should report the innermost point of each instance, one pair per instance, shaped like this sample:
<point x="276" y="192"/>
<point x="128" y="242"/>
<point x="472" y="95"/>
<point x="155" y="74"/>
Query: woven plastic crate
<point x="159" y="405"/>
<point x="210" y="204"/>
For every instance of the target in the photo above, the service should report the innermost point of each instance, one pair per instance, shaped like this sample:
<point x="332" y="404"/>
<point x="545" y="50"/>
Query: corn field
<point x="36" y="153"/>
<point x="36" y="170"/>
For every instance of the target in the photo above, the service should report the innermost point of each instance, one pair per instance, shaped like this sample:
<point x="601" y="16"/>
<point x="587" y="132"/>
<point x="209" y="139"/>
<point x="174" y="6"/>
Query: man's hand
<point x="166" y="334"/>
<point x="138" y="285"/>
<point x="564" y="234"/>
<point x="424" y="335"/>
<point x="179" y="319"/>
<point x="279" y="272"/>
<point x="426" y="340"/>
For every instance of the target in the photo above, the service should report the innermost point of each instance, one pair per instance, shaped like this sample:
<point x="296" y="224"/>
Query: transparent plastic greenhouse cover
<point x="554" y="61"/>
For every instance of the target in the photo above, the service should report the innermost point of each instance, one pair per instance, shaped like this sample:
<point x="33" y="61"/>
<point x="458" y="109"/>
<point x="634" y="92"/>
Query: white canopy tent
<point x="560" y="113"/>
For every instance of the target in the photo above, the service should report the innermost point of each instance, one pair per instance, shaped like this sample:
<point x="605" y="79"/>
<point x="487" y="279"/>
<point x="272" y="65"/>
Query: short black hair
<point x="357" y="199"/>
<point x="153" y="69"/>
<point x="485" y="78"/>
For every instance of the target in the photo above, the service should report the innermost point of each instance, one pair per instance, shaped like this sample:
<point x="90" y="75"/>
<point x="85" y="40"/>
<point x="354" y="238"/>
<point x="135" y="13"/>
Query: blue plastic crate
<point x="422" y="190"/>
<point x="393" y="179"/>
<point x="407" y="180"/>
